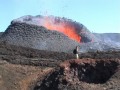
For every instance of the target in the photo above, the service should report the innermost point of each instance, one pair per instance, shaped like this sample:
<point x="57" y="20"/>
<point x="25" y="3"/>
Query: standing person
<point x="76" y="51"/>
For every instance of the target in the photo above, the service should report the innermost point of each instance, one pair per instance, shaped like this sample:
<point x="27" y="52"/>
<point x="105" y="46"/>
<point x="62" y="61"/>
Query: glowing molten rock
<point x="61" y="26"/>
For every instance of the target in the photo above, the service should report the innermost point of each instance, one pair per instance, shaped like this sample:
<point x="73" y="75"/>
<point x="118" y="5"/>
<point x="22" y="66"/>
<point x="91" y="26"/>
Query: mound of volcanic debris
<point x="83" y="74"/>
<point x="52" y="34"/>
<point x="35" y="32"/>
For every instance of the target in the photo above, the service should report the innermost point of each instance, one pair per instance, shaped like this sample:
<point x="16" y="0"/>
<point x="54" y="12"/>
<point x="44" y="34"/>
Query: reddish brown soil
<point x="90" y="70"/>
<point x="19" y="77"/>
<point x="83" y="74"/>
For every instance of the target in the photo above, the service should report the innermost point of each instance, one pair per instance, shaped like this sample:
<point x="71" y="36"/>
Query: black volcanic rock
<point x="1" y="34"/>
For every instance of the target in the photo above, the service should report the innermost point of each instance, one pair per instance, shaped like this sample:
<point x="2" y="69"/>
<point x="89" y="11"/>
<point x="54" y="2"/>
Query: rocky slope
<point x="1" y="34"/>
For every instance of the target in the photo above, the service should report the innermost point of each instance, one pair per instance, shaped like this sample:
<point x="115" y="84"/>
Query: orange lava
<point x="61" y="26"/>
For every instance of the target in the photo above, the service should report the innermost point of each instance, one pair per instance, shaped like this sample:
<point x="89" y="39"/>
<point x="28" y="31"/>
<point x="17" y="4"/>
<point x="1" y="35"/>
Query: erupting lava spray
<point x="61" y="25"/>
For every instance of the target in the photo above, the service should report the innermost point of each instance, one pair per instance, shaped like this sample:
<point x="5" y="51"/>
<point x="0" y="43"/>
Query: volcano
<point x="51" y="33"/>
<point x="74" y="30"/>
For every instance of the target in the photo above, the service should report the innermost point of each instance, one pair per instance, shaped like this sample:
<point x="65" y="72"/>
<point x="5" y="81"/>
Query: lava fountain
<point x="61" y="25"/>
